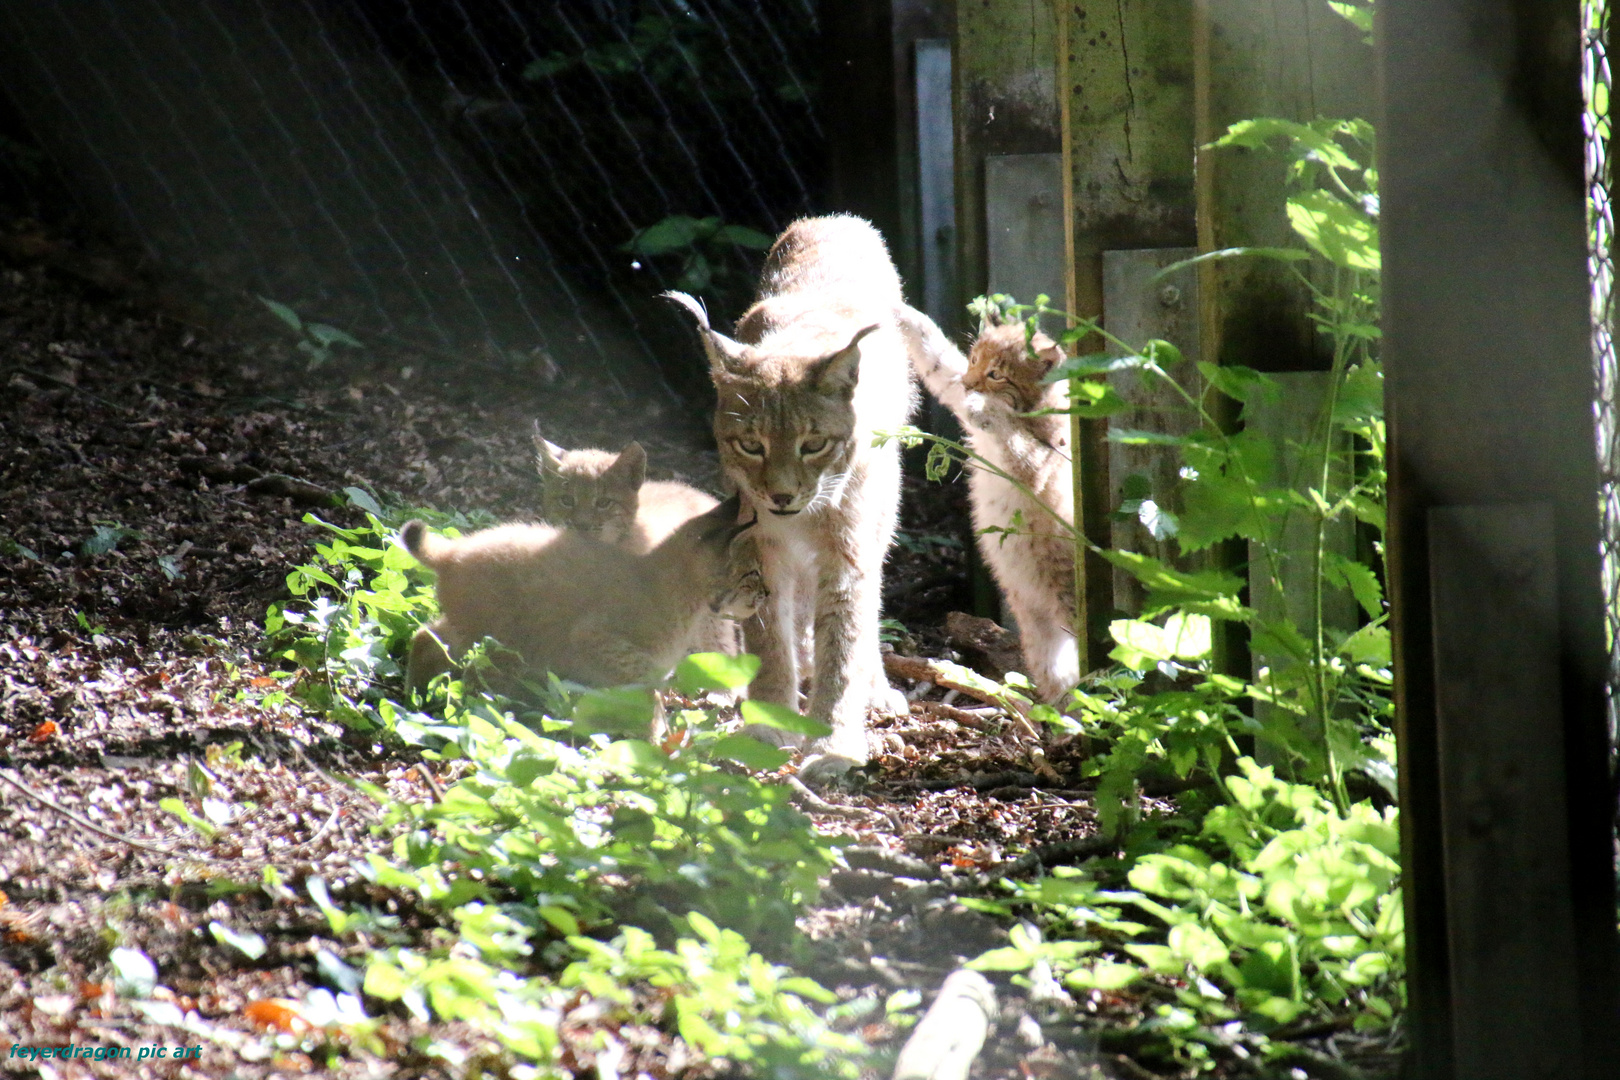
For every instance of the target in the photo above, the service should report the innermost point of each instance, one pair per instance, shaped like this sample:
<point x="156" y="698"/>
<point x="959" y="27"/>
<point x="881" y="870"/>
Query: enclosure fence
<point x="1600" y="219"/>
<point x="482" y="177"/>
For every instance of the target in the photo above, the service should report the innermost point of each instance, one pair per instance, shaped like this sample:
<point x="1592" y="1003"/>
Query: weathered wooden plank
<point x="1141" y="306"/>
<point x="1023" y="208"/>
<point x="1489" y="395"/>
<point x="1499" y="708"/>
<point x="1125" y="79"/>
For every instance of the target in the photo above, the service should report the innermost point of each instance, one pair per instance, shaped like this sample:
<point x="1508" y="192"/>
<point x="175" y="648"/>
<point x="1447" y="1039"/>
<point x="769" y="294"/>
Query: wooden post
<point x="1506" y="810"/>
<point x="1254" y="58"/>
<point x="1124" y="80"/>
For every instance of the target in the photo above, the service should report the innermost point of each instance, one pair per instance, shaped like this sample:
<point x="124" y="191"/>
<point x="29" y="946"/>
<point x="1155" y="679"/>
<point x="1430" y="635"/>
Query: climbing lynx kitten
<point x="571" y="604"/>
<point x="609" y="496"/>
<point x="816" y="367"/>
<point x="990" y="393"/>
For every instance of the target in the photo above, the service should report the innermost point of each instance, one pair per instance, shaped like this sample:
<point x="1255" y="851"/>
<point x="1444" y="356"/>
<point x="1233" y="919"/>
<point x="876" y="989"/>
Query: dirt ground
<point x="157" y="457"/>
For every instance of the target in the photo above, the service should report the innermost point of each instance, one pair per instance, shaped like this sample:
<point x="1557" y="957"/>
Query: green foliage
<point x="572" y="854"/>
<point x="707" y="249"/>
<point x="315" y="339"/>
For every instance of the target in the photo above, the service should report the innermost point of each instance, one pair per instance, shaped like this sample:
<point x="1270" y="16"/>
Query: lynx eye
<point x="995" y="376"/>
<point x="812" y="447"/>
<point x="566" y="500"/>
<point x="749" y="447"/>
<point x="604" y="504"/>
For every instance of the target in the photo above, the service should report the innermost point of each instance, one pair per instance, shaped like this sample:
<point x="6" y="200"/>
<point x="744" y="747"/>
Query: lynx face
<point x="591" y="491"/>
<point x="1001" y="366"/>
<point x="785" y="426"/>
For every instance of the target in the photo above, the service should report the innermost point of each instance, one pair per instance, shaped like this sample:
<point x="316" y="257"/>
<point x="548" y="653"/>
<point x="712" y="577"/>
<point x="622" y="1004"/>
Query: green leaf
<point x="1135" y="437"/>
<point x="284" y="313"/>
<point x="750" y="753"/>
<point x="782" y="718"/>
<point x="1358" y="578"/>
<point x="1343" y="235"/>
<point x="1143" y="644"/>
<point x="619" y="711"/>
<point x="701" y="672"/>
<point x="331" y="335"/>
<point x="743" y="236"/>
<point x="547" y="66"/>
<point x="526" y="767"/>
<point x="1238" y="382"/>
<point x="362" y="498"/>
<point x="1009" y="958"/>
<point x="696" y="274"/>
<point x="1168" y="587"/>
<point x="674" y="233"/>
<point x="1369" y="645"/>
<point x="136" y="975"/>
<point x="1088" y="364"/>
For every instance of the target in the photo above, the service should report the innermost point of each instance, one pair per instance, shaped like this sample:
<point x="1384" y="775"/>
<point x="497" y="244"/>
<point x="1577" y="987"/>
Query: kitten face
<point x="591" y="491"/>
<point x="1001" y="366"/>
<point x="743" y="590"/>
<point x="785" y="426"/>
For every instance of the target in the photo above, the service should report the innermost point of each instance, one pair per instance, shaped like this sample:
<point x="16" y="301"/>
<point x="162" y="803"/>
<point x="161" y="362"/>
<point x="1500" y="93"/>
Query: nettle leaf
<point x="1169" y="587"/>
<point x="1088" y="364"/>
<point x="1369" y="645"/>
<point x="1344" y="236"/>
<point x="1358" y="578"/>
<point x="1315" y="139"/>
<point x="702" y="672"/>
<point x="1143" y="644"/>
<point x="1361" y="396"/>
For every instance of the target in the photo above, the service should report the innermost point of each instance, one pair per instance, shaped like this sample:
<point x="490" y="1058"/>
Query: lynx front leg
<point x="772" y="635"/>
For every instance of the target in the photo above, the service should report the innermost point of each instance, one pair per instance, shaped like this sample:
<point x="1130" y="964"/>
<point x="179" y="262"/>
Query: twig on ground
<point x="960" y="716"/>
<point x="952" y="1031"/>
<point x="1050" y="854"/>
<point x="809" y="800"/>
<point x="76" y="819"/>
<point x="918" y="669"/>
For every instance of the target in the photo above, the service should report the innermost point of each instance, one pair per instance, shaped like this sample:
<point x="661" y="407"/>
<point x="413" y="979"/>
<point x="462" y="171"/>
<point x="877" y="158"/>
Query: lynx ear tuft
<point x="547" y="455"/>
<point x="726" y="357"/>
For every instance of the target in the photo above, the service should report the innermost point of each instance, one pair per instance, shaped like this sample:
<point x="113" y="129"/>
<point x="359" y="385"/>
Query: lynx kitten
<point x="991" y="392"/>
<point x="609" y="496"/>
<point x="816" y="367"/>
<point x="571" y="604"/>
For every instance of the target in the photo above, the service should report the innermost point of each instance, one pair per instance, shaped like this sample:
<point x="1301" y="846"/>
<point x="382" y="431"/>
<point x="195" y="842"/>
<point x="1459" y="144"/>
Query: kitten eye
<point x="995" y="376"/>
<point x="566" y="500"/>
<point x="812" y="447"/>
<point x="749" y="447"/>
<point x="604" y="504"/>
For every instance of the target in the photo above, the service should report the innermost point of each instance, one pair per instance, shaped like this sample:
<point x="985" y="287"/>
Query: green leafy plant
<point x="572" y="853"/>
<point x="707" y="249"/>
<point x="315" y="339"/>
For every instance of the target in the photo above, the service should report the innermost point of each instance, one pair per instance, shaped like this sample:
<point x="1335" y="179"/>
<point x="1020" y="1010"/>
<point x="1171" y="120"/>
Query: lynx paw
<point x="886" y="699"/>
<point x="773" y="736"/>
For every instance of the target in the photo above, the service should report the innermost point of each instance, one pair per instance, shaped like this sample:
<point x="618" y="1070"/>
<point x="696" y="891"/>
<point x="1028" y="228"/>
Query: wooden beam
<point x="1489" y="387"/>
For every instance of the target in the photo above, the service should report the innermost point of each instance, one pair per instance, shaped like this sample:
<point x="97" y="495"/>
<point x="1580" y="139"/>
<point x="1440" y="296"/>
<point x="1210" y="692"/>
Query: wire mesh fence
<point x="486" y="177"/>
<point x="1600" y="219"/>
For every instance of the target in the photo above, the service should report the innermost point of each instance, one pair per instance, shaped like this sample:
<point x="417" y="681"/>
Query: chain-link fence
<point x="1600" y="217"/>
<point x="475" y="176"/>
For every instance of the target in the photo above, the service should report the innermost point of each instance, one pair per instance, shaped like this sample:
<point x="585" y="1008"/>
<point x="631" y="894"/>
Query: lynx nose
<point x="781" y="501"/>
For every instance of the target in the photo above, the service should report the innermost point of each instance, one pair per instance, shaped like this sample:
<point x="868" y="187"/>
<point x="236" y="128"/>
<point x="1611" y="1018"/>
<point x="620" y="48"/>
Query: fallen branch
<point x="83" y="823"/>
<point x="952" y="1031"/>
<point x="809" y="800"/>
<point x="1052" y="854"/>
<point x="960" y="716"/>
<point x="964" y="681"/>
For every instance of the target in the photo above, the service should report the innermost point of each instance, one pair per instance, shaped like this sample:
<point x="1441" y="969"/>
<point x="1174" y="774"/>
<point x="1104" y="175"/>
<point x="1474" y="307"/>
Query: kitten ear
<point x="1047" y="351"/>
<point x="630" y="467"/>
<point x="726" y="357"/>
<point x="840" y="371"/>
<point x="547" y="455"/>
<point x="720" y="524"/>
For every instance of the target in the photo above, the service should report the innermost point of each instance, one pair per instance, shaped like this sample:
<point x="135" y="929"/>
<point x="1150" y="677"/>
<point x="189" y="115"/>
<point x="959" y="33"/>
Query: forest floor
<point x="155" y="471"/>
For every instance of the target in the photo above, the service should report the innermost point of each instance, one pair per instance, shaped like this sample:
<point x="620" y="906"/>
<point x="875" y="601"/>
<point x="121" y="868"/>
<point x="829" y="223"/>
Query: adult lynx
<point x="816" y="367"/>
<point x="992" y="392"/>
<point x="569" y="603"/>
